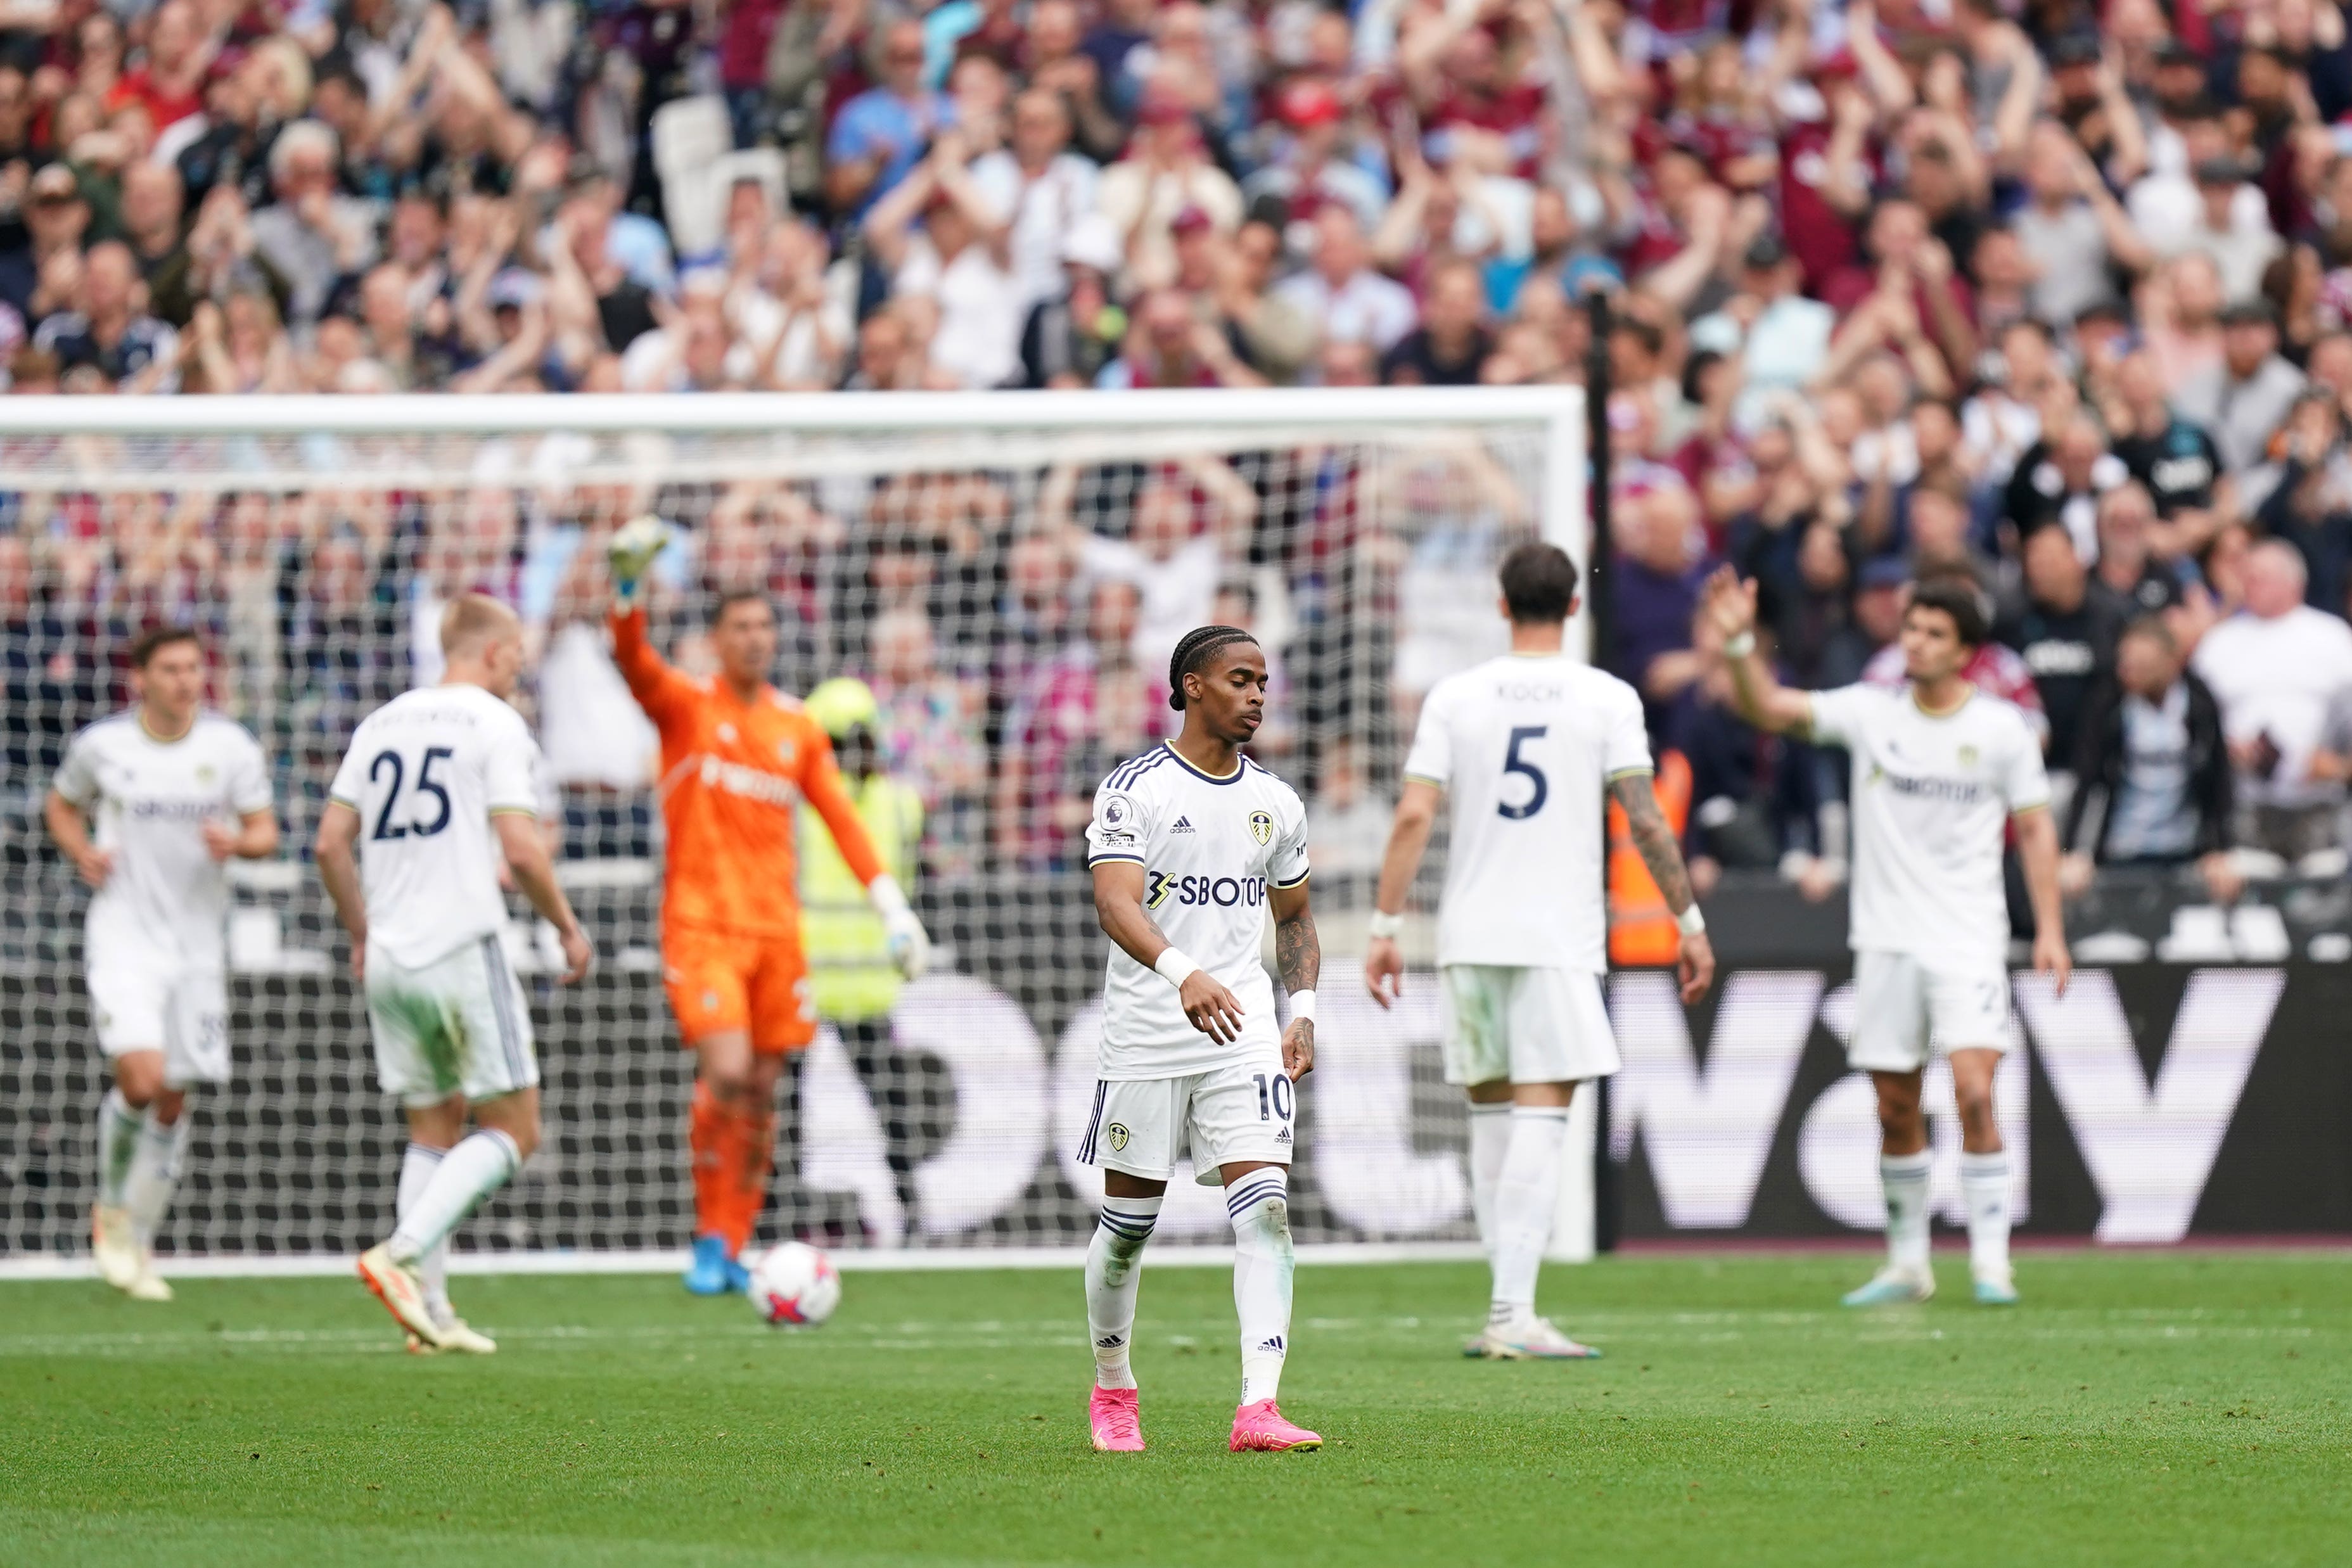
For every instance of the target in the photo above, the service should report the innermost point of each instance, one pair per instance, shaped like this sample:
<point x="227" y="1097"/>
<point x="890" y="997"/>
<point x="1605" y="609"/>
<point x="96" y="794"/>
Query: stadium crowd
<point x="2059" y="300"/>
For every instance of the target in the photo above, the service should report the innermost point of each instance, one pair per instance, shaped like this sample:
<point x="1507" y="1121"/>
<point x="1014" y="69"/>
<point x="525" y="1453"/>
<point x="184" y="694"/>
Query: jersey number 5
<point x="386" y="827"/>
<point x="1513" y="763"/>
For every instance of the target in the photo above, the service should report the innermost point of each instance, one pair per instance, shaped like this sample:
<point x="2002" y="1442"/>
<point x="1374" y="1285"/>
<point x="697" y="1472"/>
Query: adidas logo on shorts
<point x="1183" y="825"/>
<point x="1282" y="1135"/>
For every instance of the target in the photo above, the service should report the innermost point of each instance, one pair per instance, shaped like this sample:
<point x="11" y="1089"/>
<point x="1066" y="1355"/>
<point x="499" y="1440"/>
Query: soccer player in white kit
<point x="1524" y="747"/>
<point x="1191" y="844"/>
<point x="173" y="792"/>
<point x="1938" y="768"/>
<point x="438" y="783"/>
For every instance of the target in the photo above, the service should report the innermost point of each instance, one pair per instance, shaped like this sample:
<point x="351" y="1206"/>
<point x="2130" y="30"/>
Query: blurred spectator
<point x="1039" y="190"/>
<point x="957" y="261"/>
<point x="1450" y="347"/>
<point x="2241" y="399"/>
<point x="1077" y="329"/>
<point x="2128" y="577"/>
<point x="1342" y="293"/>
<point x="1166" y="173"/>
<point x="2153" y="765"/>
<point x="883" y="132"/>
<point x="1661" y="564"/>
<point x="2065" y="633"/>
<point x="2274" y="669"/>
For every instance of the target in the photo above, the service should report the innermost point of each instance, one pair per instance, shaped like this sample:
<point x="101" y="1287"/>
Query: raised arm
<point x="1119" y="906"/>
<point x="1298" y="956"/>
<point x="1764" y="702"/>
<point x="902" y="930"/>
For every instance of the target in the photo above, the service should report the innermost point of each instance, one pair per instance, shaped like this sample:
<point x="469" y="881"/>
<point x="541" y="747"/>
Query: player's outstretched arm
<point x="1417" y="816"/>
<point x="71" y="828"/>
<point x="902" y="929"/>
<point x="339" y="869"/>
<point x="534" y="873"/>
<point x="1118" y="905"/>
<point x="1729" y="604"/>
<point x="1298" y="956"/>
<point x="2037" y="854"/>
<point x="1655" y="839"/>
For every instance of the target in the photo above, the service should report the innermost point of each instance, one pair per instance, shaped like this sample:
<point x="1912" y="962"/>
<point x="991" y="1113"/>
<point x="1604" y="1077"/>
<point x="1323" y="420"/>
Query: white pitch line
<point x="849" y="1259"/>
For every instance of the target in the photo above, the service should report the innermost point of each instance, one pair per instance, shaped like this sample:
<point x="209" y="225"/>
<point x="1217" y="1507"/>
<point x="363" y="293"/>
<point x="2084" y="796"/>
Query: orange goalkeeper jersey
<point x="732" y="773"/>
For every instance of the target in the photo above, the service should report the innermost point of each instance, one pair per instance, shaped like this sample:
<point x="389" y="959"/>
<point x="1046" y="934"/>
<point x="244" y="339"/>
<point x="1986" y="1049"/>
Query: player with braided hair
<point x="1191" y="844"/>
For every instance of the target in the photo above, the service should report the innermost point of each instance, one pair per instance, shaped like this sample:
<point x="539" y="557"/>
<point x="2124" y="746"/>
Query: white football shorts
<point x="1906" y="1010"/>
<point x="456" y="1026"/>
<point x="152" y="1004"/>
<point x="1525" y="1025"/>
<point x="1242" y="1111"/>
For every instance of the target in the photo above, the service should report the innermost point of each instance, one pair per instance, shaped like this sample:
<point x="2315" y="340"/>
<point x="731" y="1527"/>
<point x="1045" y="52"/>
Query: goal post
<point x="1007" y="570"/>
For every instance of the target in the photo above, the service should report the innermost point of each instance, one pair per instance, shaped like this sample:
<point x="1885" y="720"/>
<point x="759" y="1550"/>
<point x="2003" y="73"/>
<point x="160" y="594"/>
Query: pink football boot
<point x="1259" y="1428"/>
<point x="1118" y="1421"/>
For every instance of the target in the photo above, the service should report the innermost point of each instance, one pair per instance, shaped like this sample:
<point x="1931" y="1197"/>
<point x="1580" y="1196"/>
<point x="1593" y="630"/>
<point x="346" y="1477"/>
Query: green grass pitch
<point x="2139" y="1409"/>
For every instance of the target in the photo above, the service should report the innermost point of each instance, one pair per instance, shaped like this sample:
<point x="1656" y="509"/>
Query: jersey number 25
<point x="386" y="827"/>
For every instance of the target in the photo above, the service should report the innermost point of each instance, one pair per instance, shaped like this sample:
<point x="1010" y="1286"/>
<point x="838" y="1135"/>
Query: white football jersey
<point x="1525" y="746"/>
<point x="1210" y="849"/>
<point x="148" y="799"/>
<point x="1931" y="796"/>
<point x="427" y="772"/>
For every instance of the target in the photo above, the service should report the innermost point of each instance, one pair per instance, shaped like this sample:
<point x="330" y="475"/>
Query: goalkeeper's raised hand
<point x="634" y="545"/>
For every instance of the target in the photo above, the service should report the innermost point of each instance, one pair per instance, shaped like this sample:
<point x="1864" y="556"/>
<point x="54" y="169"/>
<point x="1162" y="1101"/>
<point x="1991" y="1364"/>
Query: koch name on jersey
<point x="1210" y="848"/>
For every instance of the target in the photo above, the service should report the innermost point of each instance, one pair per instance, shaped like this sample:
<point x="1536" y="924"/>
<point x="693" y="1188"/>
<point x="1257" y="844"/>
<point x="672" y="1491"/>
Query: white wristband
<point x="1739" y="645"/>
<point x="1384" y="926"/>
<point x="1302" y="1006"/>
<point x="1690" y="922"/>
<point x="888" y="899"/>
<point x="1174" y="967"/>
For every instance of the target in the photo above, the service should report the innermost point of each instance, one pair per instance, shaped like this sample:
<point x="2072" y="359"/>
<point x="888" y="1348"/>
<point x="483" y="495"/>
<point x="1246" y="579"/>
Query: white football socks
<point x="1259" y="1206"/>
<point x="1114" y="1272"/>
<point x="1490" y="1142"/>
<point x="484" y="1161"/>
<point x="154" y="1171"/>
<point x="117" y="1140"/>
<point x="417" y="1164"/>
<point x="1905" y="1178"/>
<point x="1984" y="1185"/>
<point x="1525" y="1200"/>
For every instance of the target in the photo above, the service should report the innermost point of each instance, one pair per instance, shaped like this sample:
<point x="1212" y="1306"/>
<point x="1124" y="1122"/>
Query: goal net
<point x="1008" y="572"/>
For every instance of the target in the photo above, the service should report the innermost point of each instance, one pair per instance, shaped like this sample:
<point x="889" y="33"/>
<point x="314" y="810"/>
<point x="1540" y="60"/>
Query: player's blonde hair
<point x="472" y="620"/>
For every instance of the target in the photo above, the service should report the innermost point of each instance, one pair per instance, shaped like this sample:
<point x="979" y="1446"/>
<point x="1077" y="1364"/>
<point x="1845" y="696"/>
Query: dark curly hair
<point x="1195" y="651"/>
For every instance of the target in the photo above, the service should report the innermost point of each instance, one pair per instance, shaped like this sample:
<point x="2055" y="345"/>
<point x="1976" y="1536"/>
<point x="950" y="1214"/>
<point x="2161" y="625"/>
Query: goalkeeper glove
<point x="634" y="545"/>
<point x="909" y="947"/>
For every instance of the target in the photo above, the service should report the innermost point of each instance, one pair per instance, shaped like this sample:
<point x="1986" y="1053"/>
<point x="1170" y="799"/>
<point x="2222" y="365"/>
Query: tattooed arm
<point x="1655" y="841"/>
<point x="1298" y="956"/>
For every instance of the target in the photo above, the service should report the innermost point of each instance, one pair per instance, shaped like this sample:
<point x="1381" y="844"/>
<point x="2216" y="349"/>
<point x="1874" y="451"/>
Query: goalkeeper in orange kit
<point x="738" y="756"/>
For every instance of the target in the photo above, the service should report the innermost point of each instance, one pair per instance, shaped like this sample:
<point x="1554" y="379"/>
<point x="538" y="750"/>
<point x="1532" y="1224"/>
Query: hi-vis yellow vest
<point x="850" y="973"/>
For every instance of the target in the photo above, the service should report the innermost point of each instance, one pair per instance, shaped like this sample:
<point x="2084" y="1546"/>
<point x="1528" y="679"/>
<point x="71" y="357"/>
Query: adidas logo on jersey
<point x="1183" y="825"/>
